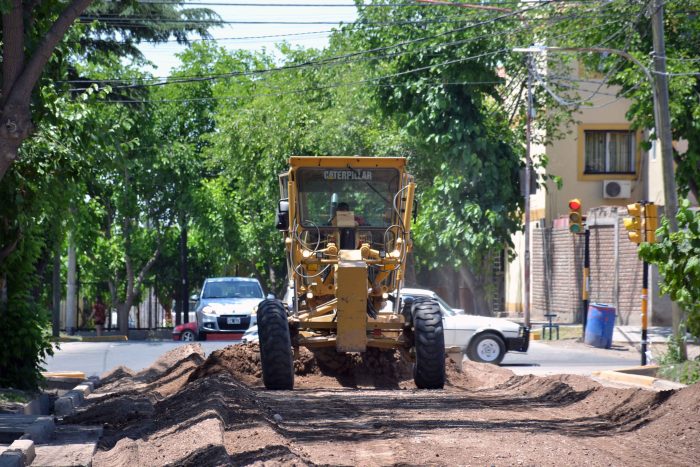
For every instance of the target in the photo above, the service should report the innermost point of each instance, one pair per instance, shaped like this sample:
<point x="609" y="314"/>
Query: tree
<point x="626" y="26"/>
<point x="443" y="89"/>
<point x="21" y="70"/>
<point x="677" y="255"/>
<point x="32" y="30"/>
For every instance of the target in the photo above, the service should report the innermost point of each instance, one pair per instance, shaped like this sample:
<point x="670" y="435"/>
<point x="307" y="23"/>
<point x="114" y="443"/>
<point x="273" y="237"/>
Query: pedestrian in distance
<point x="99" y="313"/>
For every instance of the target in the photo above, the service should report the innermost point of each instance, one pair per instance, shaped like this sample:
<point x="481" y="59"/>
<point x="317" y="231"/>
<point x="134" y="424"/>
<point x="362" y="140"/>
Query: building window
<point x="609" y="152"/>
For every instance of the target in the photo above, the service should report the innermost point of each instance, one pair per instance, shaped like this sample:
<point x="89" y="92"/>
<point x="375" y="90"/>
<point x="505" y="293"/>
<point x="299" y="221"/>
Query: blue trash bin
<point x="600" y="325"/>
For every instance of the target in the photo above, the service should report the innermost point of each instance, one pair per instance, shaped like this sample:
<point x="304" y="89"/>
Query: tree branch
<point x="12" y="47"/>
<point x="8" y="249"/>
<point x="22" y="89"/>
<point x="147" y="266"/>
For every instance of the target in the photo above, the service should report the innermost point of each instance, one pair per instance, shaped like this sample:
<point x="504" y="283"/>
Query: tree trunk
<point x="56" y="286"/>
<point x="71" y="299"/>
<point x="133" y="289"/>
<point x="478" y="290"/>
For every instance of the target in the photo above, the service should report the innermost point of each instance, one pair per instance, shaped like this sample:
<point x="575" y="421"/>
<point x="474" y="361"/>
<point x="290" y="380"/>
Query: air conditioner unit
<point x="617" y="189"/>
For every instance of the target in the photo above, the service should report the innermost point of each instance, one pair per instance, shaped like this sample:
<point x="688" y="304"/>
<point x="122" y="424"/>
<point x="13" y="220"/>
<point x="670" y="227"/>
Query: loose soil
<point x="191" y="411"/>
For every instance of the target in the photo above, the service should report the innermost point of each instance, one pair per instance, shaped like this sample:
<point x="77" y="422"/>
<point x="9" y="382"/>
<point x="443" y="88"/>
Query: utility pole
<point x="528" y="172"/>
<point x="663" y="131"/>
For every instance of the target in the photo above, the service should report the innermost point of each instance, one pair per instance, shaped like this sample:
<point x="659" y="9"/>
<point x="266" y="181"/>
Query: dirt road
<point x="186" y="410"/>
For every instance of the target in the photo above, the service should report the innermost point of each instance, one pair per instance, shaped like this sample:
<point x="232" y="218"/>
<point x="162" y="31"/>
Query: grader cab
<point x="346" y="224"/>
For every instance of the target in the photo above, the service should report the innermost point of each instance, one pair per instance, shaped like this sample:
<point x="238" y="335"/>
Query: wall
<point x="615" y="271"/>
<point x="557" y="263"/>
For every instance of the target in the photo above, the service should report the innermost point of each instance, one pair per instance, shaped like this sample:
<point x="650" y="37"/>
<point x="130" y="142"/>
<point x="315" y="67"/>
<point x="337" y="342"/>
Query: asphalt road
<point x="94" y="358"/>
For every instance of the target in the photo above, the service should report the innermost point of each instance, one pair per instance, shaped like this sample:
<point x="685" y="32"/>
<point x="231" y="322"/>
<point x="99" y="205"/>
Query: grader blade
<point x="352" y="305"/>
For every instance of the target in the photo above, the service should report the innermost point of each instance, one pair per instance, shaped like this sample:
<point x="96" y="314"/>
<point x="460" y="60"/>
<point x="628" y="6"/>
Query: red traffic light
<point x="575" y="204"/>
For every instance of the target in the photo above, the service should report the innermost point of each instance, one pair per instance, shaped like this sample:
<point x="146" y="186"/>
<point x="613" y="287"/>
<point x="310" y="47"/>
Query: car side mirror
<point x="194" y="297"/>
<point x="271" y="296"/>
<point x="283" y="215"/>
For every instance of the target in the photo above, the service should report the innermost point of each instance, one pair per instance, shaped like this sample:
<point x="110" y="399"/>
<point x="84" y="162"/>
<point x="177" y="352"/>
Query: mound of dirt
<point x="313" y="368"/>
<point x="676" y="420"/>
<point x="240" y="361"/>
<point x="165" y="376"/>
<point x="116" y="374"/>
<point x="475" y="375"/>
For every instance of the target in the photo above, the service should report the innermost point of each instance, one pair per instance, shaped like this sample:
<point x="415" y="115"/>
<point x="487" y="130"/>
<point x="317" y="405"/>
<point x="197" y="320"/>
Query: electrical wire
<point x="172" y="80"/>
<point x="330" y="86"/>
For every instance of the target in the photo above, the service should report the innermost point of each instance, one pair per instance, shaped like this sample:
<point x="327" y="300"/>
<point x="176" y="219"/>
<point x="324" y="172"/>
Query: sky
<point x="228" y="35"/>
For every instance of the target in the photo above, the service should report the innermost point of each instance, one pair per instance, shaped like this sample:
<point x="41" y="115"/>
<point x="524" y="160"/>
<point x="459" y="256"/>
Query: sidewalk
<point x="633" y="334"/>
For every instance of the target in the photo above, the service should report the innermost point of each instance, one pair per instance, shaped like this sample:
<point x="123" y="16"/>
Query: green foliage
<point x="38" y="191"/>
<point x="687" y="372"/>
<point x="674" y="367"/>
<point x="445" y="94"/>
<point x="25" y="320"/>
<point x="626" y="26"/>
<point x="677" y="255"/>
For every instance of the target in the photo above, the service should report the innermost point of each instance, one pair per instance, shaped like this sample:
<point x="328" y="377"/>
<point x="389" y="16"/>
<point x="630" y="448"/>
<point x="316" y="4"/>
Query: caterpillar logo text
<point x="347" y="175"/>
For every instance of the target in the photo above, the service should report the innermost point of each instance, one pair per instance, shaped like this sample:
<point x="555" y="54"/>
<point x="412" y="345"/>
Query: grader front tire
<point x="429" y="369"/>
<point x="276" y="355"/>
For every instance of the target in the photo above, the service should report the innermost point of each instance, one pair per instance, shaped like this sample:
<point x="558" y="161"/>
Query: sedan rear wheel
<point x="486" y="348"/>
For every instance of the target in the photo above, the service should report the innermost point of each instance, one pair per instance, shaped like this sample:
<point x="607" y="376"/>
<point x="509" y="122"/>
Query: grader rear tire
<point x="276" y="355"/>
<point x="429" y="369"/>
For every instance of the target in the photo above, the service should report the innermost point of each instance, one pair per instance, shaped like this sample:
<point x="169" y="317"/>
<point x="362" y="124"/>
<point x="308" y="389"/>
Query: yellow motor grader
<point x="346" y="224"/>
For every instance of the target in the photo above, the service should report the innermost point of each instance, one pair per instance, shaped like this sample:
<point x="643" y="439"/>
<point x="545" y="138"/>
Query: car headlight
<point x="208" y="310"/>
<point x="254" y="319"/>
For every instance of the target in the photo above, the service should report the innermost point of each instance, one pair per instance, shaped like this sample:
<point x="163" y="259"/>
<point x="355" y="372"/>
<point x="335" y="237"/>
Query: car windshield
<point x="232" y="289"/>
<point x="367" y="193"/>
<point x="446" y="309"/>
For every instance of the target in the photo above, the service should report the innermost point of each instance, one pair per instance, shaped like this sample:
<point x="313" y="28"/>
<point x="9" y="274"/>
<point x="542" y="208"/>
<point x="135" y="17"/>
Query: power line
<point x="127" y="21"/>
<point x="336" y="85"/>
<point x="170" y="80"/>
<point x="348" y="5"/>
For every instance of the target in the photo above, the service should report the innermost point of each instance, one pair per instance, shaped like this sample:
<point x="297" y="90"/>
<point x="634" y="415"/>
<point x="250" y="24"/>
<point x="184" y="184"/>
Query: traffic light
<point x="651" y="221"/>
<point x="633" y="224"/>
<point x="575" y="216"/>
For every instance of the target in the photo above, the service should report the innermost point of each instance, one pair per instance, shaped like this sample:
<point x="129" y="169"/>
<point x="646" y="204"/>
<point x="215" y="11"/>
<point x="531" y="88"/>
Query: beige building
<point x="601" y="162"/>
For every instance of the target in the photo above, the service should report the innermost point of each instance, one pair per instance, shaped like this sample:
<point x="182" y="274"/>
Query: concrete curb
<point x="23" y="447"/>
<point x="639" y="376"/>
<point x="105" y="339"/>
<point x="68" y="403"/>
<point x="12" y="458"/>
<point x="625" y="378"/>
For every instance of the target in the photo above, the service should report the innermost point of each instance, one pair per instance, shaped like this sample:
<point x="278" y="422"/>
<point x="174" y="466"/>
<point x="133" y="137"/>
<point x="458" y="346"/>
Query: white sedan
<point x="481" y="338"/>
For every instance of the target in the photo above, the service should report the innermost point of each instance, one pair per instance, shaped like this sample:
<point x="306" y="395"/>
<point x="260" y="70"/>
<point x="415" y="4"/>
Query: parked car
<point x="251" y="335"/>
<point x="227" y="305"/>
<point x="185" y="332"/>
<point x="482" y="338"/>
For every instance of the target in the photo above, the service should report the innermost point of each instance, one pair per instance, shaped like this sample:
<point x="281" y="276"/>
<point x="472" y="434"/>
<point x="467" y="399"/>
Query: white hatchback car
<point x="481" y="338"/>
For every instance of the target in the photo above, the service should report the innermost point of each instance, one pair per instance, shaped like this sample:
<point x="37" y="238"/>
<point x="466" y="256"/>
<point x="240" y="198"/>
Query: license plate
<point x="233" y="320"/>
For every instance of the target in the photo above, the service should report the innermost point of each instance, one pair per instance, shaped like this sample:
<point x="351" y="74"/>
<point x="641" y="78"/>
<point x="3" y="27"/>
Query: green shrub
<point x="24" y="332"/>
<point x="673" y="367"/>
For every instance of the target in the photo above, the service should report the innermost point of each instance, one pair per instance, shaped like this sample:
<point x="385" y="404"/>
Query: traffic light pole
<point x="586" y="275"/>
<point x="645" y="288"/>
<point x="645" y="299"/>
